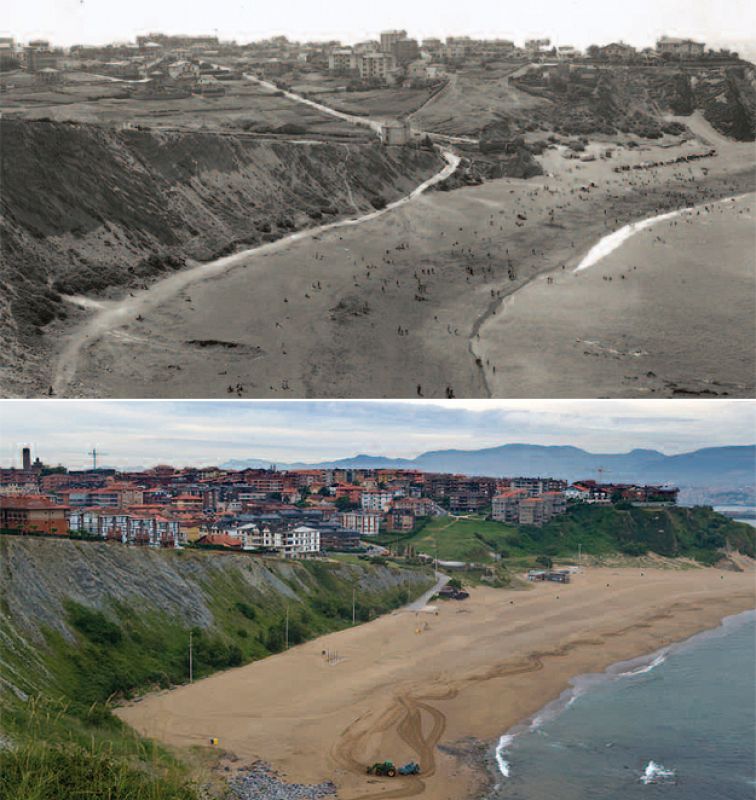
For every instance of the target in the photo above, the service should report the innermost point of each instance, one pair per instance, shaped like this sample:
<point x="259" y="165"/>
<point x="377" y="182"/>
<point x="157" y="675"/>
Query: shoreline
<point x="613" y="241"/>
<point x="537" y="302"/>
<point x="584" y="682"/>
<point x="443" y="349"/>
<point x="478" y="669"/>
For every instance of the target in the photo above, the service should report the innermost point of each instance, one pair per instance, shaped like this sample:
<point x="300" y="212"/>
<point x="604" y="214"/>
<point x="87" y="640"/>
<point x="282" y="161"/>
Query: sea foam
<point x="504" y="742"/>
<point x="660" y="659"/>
<point x="656" y="773"/>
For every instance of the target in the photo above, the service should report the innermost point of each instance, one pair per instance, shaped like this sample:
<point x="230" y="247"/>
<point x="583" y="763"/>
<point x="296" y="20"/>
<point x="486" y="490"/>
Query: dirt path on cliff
<point x="405" y="305"/>
<point x="112" y="314"/>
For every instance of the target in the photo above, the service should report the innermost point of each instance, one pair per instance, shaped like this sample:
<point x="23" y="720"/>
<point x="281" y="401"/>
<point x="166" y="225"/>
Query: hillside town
<point x="295" y="513"/>
<point x="160" y="67"/>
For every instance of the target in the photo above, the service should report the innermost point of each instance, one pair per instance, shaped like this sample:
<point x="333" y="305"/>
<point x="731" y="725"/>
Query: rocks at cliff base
<point x="260" y="782"/>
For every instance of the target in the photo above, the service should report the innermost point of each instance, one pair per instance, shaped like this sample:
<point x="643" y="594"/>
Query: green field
<point x="456" y="538"/>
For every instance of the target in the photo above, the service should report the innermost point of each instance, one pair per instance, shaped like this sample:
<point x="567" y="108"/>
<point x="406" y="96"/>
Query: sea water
<point x="678" y="724"/>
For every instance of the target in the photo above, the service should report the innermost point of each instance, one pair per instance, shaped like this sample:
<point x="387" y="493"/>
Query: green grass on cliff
<point x="59" y="752"/>
<point x="698" y="533"/>
<point x="66" y="744"/>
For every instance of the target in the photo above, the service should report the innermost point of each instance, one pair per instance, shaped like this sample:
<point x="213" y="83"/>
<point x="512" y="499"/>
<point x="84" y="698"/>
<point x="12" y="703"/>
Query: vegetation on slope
<point x="698" y="533"/>
<point x="99" y="641"/>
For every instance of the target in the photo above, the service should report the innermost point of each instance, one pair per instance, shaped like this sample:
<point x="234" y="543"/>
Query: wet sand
<point x="401" y="306"/>
<point x="403" y="689"/>
<point x="671" y="310"/>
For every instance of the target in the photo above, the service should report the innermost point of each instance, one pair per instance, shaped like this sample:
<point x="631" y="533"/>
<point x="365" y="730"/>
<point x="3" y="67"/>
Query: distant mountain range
<point x="711" y="466"/>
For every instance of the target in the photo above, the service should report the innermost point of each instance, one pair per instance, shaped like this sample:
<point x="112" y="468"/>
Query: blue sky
<point x="576" y="22"/>
<point x="143" y="433"/>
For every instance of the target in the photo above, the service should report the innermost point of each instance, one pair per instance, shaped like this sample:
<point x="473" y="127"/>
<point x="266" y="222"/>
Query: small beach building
<point x="395" y="133"/>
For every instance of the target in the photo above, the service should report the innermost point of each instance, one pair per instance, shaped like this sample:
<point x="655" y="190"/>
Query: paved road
<point x="422" y="601"/>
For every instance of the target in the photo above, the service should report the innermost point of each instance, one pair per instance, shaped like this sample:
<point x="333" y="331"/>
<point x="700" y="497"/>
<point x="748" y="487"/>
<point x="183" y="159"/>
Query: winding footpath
<point x="112" y="314"/>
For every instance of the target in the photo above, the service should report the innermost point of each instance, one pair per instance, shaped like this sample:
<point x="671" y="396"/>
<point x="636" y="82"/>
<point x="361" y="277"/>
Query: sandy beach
<point x="402" y="305"/>
<point x="652" y="327"/>
<point x="424" y="686"/>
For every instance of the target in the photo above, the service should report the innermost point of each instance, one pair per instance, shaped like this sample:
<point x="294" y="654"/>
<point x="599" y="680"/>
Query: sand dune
<point x="419" y="686"/>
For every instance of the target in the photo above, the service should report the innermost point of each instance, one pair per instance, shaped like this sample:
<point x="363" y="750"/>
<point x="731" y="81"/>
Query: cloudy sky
<point x="143" y="433"/>
<point x="576" y="22"/>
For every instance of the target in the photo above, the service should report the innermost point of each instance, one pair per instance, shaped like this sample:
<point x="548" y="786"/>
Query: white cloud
<point x="137" y="432"/>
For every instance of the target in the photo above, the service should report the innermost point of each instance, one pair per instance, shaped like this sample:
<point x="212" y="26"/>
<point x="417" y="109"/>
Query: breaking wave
<point x="504" y="742"/>
<point x="657" y="773"/>
<point x="660" y="659"/>
<point x="608" y="244"/>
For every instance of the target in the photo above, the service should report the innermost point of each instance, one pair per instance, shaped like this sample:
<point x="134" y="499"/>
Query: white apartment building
<point x="294" y="543"/>
<point x="367" y="523"/>
<point x="377" y="500"/>
<point x="153" y="530"/>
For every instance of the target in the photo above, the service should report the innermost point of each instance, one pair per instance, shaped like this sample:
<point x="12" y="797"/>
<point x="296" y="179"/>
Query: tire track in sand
<point x="408" y="712"/>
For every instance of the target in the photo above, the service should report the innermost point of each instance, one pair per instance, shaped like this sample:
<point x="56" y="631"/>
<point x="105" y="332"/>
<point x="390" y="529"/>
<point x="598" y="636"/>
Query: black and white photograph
<point x="288" y="204"/>
<point x="378" y="400"/>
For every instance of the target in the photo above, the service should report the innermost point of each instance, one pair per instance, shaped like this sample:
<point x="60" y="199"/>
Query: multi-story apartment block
<point x="532" y="511"/>
<point x="33" y="514"/>
<point x="375" y="66"/>
<point x="505" y="507"/>
<point x="342" y="59"/>
<point x="367" y="523"/>
<point x="377" y="500"/>
<point x="128" y="526"/>
<point x="390" y="38"/>
<point x="296" y="542"/>
<point x="537" y="486"/>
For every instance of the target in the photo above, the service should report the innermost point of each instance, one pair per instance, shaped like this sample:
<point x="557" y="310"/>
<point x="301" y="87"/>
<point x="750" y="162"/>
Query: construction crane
<point x="600" y="472"/>
<point x="94" y="452"/>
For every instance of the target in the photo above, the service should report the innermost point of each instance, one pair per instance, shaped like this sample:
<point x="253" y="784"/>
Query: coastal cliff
<point x="126" y="612"/>
<point x="87" y="208"/>
<point x="85" y="624"/>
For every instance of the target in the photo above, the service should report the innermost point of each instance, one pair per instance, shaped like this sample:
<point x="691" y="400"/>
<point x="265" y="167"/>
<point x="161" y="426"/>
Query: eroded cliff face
<point x="86" y="208"/>
<point x="631" y="99"/>
<point x="731" y="106"/>
<point x="153" y="596"/>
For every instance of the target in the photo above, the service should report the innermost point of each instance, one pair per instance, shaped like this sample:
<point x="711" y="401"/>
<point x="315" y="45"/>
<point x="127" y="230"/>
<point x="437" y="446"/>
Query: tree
<point x="545" y="562"/>
<point x="343" y="503"/>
